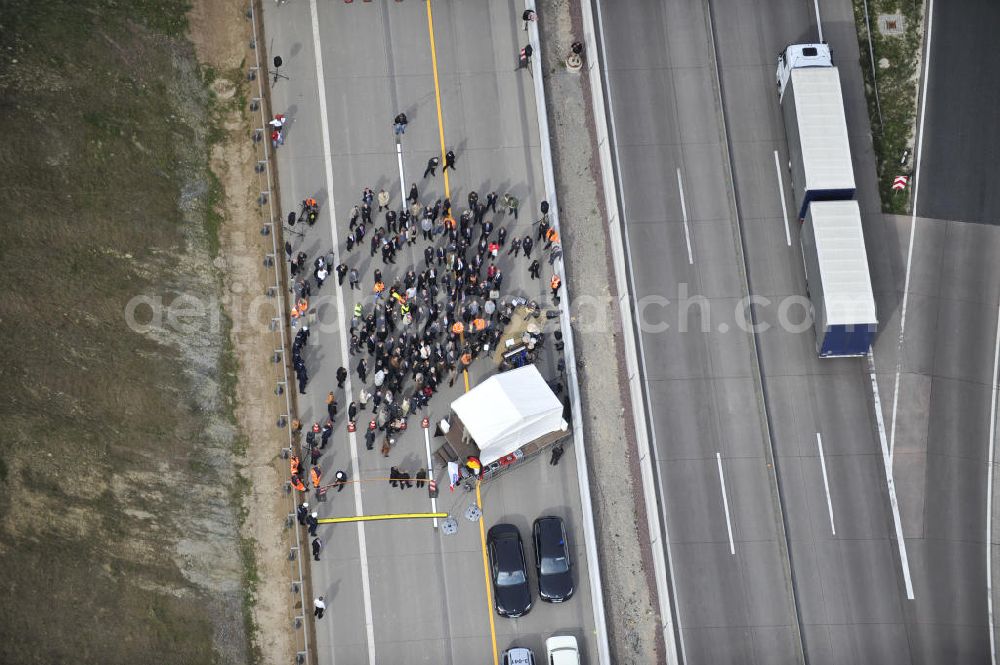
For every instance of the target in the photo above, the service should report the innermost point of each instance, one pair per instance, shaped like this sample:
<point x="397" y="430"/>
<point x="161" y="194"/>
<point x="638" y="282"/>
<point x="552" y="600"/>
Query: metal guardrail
<point x="271" y="228"/>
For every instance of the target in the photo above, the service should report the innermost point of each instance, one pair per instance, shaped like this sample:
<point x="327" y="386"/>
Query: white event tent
<point x="509" y="410"/>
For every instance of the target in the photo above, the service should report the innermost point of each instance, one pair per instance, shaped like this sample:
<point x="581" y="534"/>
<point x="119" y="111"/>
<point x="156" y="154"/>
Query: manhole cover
<point x="891" y="25"/>
<point x="449" y="527"/>
<point x="472" y="513"/>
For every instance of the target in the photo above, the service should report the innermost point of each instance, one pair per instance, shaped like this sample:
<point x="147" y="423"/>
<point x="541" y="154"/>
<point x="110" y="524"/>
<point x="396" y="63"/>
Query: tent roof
<point x="508" y="410"/>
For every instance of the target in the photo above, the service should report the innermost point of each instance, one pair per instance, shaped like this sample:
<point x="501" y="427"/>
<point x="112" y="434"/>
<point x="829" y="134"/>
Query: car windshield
<point x="552" y="565"/>
<point x="510" y="578"/>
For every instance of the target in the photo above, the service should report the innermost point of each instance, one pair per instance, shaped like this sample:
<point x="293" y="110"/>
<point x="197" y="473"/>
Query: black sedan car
<point x="511" y="593"/>
<point x="555" y="576"/>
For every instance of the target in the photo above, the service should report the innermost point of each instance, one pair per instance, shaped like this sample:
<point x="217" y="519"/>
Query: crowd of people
<point x="431" y="311"/>
<point x="421" y="325"/>
<point x="422" y="322"/>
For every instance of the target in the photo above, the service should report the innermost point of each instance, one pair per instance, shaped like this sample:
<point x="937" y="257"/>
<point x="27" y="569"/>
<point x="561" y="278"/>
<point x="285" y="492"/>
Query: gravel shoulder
<point x="619" y="509"/>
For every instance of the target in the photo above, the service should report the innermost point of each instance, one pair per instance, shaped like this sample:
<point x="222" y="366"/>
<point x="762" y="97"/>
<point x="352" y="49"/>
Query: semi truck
<point x="838" y="283"/>
<point x="815" y="125"/>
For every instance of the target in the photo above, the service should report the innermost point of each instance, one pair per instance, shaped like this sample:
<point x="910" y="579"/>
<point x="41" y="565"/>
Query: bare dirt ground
<point x="619" y="510"/>
<point x="221" y="35"/>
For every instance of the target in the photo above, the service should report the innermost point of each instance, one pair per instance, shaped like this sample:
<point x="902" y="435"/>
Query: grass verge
<point x="894" y="77"/>
<point x="117" y="542"/>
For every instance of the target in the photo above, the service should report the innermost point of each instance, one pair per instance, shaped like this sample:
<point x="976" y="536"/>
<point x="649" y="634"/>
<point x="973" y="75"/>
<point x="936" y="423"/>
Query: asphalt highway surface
<point x="838" y="584"/>
<point x="402" y="591"/>
<point x="821" y="511"/>
<point x="960" y="145"/>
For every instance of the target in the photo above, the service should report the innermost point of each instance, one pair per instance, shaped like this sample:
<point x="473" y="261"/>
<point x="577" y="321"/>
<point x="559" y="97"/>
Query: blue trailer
<point x="839" y="284"/>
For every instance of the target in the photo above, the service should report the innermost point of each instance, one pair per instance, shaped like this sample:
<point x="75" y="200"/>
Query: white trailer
<point x="837" y="277"/>
<point x="815" y="125"/>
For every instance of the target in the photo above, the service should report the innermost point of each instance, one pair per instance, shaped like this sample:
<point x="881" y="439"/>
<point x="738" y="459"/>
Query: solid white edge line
<point x="656" y="522"/>
<point x="725" y="503"/>
<point x="569" y="354"/>
<point x="684" y="211"/>
<point x="989" y="497"/>
<point x="784" y="206"/>
<point x="890" y="483"/>
<point x="826" y="481"/>
<point x="913" y="225"/>
<point x="352" y="438"/>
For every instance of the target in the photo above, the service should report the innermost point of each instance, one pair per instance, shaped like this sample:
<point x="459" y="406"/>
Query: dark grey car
<point x="552" y="560"/>
<point x="509" y="570"/>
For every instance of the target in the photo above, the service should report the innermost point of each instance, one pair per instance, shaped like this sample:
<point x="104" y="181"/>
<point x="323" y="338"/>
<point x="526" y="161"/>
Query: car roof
<point x="549" y="532"/>
<point x="503" y="530"/>
<point x="564" y="648"/>
<point x="519" y="656"/>
<point x="550" y="525"/>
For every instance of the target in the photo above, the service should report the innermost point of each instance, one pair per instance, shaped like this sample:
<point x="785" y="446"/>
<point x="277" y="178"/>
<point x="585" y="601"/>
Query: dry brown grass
<point x="106" y="465"/>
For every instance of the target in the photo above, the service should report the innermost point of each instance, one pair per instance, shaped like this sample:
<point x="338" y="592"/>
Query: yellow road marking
<point x="465" y="372"/>
<point x="377" y="518"/>
<point x="486" y="574"/>
<point x="437" y="96"/>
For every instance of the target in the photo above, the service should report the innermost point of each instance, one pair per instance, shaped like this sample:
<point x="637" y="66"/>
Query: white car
<point x="562" y="650"/>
